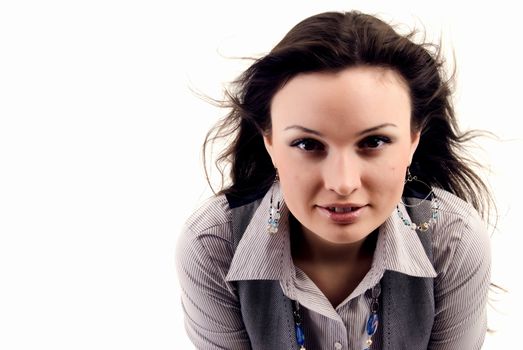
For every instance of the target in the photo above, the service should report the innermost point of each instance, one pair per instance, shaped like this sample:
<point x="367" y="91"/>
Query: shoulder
<point x="459" y="236"/>
<point x="203" y="257"/>
<point x="206" y="235"/>
<point x="214" y="213"/>
<point x="462" y="262"/>
<point x="457" y="217"/>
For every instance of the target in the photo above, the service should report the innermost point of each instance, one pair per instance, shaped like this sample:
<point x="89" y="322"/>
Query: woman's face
<point x="341" y="143"/>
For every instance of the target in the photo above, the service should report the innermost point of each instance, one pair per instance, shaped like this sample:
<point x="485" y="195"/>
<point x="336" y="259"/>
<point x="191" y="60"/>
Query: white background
<point x="100" y="141"/>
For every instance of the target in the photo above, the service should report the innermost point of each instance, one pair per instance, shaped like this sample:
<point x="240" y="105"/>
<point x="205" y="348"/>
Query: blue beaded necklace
<point x="372" y="322"/>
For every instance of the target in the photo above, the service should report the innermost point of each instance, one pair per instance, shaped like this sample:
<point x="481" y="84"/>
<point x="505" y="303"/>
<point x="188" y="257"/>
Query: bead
<point x="368" y="342"/>
<point x="375" y="293"/>
<point x="372" y="324"/>
<point x="300" y="337"/>
<point x="434" y="206"/>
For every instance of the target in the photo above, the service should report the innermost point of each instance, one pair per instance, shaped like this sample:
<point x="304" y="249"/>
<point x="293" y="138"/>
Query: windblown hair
<point x="330" y="42"/>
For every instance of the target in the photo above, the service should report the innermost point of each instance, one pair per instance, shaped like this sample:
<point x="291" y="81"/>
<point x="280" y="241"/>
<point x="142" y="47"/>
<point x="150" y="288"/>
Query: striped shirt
<point x="208" y="265"/>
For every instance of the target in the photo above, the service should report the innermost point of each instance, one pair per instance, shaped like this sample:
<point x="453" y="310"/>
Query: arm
<point x="212" y="314"/>
<point x="460" y="292"/>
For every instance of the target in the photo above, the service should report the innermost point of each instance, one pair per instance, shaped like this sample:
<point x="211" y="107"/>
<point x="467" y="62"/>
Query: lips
<point x="342" y="213"/>
<point x="341" y="209"/>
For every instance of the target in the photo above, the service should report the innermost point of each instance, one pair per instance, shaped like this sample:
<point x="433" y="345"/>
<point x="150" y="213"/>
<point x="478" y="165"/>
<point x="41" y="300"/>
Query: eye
<point x="373" y="142"/>
<point x="308" y="145"/>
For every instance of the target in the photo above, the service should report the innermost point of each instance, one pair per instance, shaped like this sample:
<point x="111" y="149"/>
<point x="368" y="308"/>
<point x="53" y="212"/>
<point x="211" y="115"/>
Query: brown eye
<point x="374" y="142"/>
<point x="308" y="145"/>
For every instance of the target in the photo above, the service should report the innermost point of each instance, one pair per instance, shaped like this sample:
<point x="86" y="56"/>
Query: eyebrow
<point x="363" y="132"/>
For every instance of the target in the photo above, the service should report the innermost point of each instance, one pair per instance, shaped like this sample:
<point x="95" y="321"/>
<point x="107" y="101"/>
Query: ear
<point x="267" y="140"/>
<point x="415" y="137"/>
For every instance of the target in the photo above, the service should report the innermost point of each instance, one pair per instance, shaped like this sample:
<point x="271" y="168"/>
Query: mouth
<point x="342" y="209"/>
<point x="342" y="214"/>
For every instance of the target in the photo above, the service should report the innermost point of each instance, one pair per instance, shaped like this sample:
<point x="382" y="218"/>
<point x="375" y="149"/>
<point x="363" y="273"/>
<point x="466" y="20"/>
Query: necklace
<point x="371" y="327"/>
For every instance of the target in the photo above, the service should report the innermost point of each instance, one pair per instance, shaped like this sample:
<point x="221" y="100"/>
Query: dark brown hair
<point x="330" y="42"/>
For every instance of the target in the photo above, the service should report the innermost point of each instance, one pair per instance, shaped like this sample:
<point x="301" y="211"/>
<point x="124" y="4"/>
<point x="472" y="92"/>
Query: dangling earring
<point x="434" y="207"/>
<point x="274" y="210"/>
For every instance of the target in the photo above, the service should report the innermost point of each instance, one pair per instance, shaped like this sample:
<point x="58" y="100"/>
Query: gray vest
<point x="407" y="303"/>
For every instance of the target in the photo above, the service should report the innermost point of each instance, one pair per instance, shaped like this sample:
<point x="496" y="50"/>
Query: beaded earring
<point x="274" y="210"/>
<point x="434" y="206"/>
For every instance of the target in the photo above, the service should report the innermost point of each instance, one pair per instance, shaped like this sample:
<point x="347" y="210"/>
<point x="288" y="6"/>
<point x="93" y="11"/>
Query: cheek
<point x="396" y="174"/>
<point x="295" y="180"/>
<point x="299" y="186"/>
<point x="396" y="168"/>
<point x="386" y="181"/>
<point x="291" y="166"/>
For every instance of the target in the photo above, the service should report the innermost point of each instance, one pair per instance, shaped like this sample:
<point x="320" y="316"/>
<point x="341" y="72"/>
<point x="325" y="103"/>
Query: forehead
<point x="354" y="97"/>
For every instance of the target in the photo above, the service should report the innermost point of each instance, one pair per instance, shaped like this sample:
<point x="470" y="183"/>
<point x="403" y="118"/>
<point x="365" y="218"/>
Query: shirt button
<point x="337" y="345"/>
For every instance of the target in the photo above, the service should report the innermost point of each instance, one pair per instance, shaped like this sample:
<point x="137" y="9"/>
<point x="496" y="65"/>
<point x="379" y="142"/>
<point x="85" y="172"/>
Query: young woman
<point x="351" y="220"/>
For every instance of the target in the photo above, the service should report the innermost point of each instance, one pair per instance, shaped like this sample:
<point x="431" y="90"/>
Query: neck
<point x="310" y="248"/>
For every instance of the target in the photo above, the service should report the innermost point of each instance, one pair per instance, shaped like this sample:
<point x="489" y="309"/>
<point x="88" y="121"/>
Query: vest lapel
<point x="408" y="302"/>
<point x="266" y="311"/>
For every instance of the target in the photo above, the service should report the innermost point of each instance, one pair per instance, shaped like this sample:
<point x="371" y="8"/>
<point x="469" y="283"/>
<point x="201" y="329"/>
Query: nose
<point x="342" y="174"/>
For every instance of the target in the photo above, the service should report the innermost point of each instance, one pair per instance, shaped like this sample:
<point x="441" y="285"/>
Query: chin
<point x="345" y="237"/>
<point x="352" y="241"/>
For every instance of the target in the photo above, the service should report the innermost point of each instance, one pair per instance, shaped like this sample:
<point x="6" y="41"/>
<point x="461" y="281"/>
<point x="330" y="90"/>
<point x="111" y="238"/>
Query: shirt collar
<point x="261" y="255"/>
<point x="400" y="249"/>
<point x="264" y="256"/>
